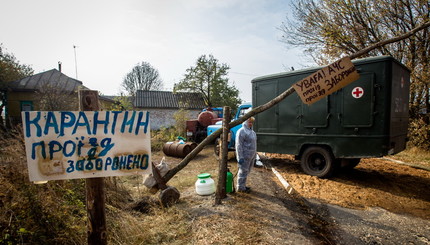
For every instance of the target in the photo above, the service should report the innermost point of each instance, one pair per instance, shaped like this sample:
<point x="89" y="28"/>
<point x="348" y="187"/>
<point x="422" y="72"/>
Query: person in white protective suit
<point x="246" y="150"/>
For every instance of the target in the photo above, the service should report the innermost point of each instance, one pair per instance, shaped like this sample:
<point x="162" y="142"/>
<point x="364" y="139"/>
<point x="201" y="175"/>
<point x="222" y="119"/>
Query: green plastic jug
<point x="229" y="182"/>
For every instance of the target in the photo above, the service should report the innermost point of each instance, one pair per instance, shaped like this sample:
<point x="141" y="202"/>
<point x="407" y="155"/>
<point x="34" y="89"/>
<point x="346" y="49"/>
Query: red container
<point x="205" y="118"/>
<point x="192" y="125"/>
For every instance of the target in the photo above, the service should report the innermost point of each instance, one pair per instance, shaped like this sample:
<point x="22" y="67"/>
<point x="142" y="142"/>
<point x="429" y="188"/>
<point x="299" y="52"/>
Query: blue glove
<point x="241" y="161"/>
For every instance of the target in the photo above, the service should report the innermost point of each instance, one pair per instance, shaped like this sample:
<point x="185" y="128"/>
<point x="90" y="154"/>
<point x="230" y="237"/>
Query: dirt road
<point x="380" y="202"/>
<point x="374" y="182"/>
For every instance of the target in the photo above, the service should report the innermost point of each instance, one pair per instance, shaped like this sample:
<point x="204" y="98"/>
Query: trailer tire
<point x="318" y="161"/>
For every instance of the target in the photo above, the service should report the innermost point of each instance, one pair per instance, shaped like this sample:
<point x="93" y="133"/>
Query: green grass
<point x="414" y="156"/>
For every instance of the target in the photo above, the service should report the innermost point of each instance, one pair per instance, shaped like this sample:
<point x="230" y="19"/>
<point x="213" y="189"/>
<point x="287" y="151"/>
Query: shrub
<point x="161" y="136"/>
<point x="419" y="134"/>
<point x="53" y="213"/>
<point x="181" y="118"/>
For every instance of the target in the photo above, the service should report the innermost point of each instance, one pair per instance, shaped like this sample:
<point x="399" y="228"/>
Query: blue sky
<point x="112" y="36"/>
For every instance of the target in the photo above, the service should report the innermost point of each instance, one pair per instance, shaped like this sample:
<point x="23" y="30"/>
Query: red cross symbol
<point x="357" y="92"/>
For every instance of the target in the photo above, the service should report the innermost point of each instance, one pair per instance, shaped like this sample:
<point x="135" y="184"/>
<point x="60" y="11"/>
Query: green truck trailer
<point x="367" y="118"/>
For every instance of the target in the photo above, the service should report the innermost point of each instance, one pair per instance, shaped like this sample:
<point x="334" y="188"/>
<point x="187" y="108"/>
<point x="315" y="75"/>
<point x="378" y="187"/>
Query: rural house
<point x="162" y="105"/>
<point x="50" y="90"/>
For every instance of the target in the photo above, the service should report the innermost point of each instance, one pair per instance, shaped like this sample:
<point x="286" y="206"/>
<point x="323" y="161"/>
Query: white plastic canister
<point x="205" y="185"/>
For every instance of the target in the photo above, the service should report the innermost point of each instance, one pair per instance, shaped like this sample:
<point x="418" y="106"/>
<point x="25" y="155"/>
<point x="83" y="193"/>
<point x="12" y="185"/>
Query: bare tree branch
<point x="388" y="41"/>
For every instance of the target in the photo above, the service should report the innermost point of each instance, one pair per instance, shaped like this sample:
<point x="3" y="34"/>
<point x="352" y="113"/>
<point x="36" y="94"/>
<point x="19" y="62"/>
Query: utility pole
<point x="76" y="62"/>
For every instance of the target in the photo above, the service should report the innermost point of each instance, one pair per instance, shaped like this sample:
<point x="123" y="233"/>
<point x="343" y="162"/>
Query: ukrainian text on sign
<point x="86" y="144"/>
<point x="326" y="81"/>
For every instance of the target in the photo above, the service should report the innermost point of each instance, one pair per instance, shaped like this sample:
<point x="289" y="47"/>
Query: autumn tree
<point x="10" y="70"/>
<point x="209" y="77"/>
<point x="142" y="77"/>
<point x="331" y="29"/>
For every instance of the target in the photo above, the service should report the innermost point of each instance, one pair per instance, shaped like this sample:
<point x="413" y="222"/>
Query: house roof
<point x="107" y="98"/>
<point x="35" y="82"/>
<point x="167" y="99"/>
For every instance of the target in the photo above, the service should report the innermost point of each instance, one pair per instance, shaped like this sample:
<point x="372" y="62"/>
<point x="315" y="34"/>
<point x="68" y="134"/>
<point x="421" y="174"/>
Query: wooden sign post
<point x="95" y="187"/>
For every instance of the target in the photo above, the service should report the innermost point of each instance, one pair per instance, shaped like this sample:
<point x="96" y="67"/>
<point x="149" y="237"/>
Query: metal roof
<point x="167" y="99"/>
<point x="107" y="98"/>
<point x="314" y="69"/>
<point x="52" y="77"/>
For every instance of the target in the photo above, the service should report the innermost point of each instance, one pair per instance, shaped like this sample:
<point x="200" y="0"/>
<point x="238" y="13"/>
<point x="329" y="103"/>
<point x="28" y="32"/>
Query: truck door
<point x="268" y="120"/>
<point x="357" y="103"/>
<point x="316" y="115"/>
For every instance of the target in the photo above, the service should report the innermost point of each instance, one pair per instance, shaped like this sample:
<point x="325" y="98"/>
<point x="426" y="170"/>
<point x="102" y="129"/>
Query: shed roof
<point x="167" y="99"/>
<point x="35" y="82"/>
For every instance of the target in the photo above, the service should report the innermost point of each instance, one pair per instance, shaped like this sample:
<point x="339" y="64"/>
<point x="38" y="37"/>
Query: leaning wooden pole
<point x="95" y="187"/>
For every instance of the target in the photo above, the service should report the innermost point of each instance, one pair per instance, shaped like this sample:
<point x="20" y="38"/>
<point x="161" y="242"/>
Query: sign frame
<point x="86" y="144"/>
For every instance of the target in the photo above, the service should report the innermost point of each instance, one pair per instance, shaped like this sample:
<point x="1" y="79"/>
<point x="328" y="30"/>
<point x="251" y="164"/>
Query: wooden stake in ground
<point x="222" y="173"/>
<point x="95" y="187"/>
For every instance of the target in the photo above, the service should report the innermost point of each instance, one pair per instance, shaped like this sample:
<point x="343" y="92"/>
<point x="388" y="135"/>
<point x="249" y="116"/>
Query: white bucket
<point x="205" y="185"/>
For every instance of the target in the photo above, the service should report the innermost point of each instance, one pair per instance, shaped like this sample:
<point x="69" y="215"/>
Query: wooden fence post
<point x="95" y="187"/>
<point x="222" y="173"/>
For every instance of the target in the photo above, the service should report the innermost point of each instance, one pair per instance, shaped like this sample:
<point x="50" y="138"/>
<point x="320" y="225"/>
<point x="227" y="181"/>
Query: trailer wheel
<point x="217" y="147"/>
<point x="317" y="161"/>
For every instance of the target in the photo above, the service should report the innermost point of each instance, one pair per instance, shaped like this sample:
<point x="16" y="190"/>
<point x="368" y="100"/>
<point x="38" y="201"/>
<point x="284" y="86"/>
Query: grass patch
<point x="53" y="213"/>
<point x="414" y="155"/>
<point x="160" y="226"/>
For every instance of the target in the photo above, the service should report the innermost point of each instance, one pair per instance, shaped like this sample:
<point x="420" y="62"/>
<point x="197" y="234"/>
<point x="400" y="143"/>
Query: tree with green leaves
<point x="142" y="77"/>
<point x="122" y="103"/>
<point x="331" y="29"/>
<point x="10" y="70"/>
<point x="209" y="77"/>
